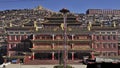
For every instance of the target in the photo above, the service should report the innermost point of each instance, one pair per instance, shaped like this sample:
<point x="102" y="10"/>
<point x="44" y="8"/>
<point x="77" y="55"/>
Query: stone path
<point x="39" y="66"/>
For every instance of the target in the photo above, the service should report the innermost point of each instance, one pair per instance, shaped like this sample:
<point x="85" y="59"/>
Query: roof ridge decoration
<point x="42" y="8"/>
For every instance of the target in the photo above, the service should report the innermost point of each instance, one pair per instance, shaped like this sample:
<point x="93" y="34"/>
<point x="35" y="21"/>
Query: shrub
<point x="61" y="66"/>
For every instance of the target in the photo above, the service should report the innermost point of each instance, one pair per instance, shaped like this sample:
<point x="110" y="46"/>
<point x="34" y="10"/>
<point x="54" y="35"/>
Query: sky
<point x="76" y="6"/>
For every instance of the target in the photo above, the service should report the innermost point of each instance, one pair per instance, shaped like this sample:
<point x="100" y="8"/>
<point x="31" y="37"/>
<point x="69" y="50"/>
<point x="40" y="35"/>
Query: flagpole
<point x="65" y="11"/>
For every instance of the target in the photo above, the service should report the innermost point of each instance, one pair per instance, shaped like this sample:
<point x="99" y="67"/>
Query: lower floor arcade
<point x="59" y="55"/>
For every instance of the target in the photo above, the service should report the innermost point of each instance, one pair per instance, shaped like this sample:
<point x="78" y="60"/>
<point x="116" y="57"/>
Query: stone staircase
<point x="50" y="62"/>
<point x="41" y="62"/>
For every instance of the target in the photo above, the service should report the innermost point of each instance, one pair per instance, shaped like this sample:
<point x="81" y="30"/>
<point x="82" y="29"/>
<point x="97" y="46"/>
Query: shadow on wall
<point x="103" y="65"/>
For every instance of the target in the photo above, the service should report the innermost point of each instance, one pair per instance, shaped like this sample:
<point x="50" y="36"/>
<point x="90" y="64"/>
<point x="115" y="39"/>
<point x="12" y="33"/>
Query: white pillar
<point x="33" y="37"/>
<point x="9" y="46"/>
<point x="72" y="37"/>
<point x="15" y="37"/>
<point x="53" y="36"/>
<point x="9" y="37"/>
<point x="20" y="37"/>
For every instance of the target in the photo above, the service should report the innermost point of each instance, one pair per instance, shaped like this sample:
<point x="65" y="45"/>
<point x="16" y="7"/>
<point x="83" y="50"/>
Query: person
<point x="1" y="59"/>
<point x="4" y="66"/>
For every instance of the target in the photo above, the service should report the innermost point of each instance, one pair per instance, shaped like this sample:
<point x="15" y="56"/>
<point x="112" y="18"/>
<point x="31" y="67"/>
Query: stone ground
<point x="38" y="66"/>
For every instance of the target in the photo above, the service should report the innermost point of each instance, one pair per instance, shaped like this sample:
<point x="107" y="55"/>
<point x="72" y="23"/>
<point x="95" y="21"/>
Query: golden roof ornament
<point x="36" y="29"/>
<point x="23" y="25"/>
<point x="101" y="24"/>
<point x="62" y="26"/>
<point x="11" y="24"/>
<point x="89" y="26"/>
<point x="69" y="29"/>
<point x="39" y="8"/>
<point x="114" y="23"/>
<point x="35" y="24"/>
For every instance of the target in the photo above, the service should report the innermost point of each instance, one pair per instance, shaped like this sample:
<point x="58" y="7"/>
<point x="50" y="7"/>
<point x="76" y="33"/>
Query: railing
<point x="62" y="48"/>
<point x="68" y="41"/>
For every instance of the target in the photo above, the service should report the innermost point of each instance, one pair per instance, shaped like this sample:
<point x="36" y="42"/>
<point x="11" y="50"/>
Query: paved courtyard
<point x="38" y="66"/>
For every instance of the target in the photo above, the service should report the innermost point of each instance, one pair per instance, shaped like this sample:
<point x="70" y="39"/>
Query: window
<point x="113" y="32"/>
<point x="98" y="45"/>
<point x="108" y="32"/>
<point x="21" y="32"/>
<point x="109" y="37"/>
<point x="103" y="37"/>
<point x="12" y="37"/>
<point x="12" y="45"/>
<point x="109" y="54"/>
<point x="114" y="37"/>
<point x="28" y="32"/>
<point x="104" y="54"/>
<point x="97" y="37"/>
<point x="109" y="45"/>
<point x="104" y="45"/>
<point x="96" y="32"/>
<point x="16" y="32"/>
<point x="17" y="37"/>
<point x="114" y="45"/>
<point x="11" y="32"/>
<point x="48" y="37"/>
<point x="102" y="32"/>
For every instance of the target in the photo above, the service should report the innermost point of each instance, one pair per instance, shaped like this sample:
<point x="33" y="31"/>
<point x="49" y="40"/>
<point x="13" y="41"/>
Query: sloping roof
<point x="20" y="28"/>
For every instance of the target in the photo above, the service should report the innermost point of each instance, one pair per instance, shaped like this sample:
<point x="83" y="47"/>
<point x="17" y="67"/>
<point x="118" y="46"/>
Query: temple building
<point x="105" y="38"/>
<point x="104" y="11"/>
<point x="17" y="39"/>
<point x="48" y="39"/>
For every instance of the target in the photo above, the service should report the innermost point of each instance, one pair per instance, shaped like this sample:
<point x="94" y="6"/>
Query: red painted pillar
<point x="72" y="37"/>
<point x="52" y="45"/>
<point x="53" y="56"/>
<point x="26" y="59"/>
<point x="33" y="56"/>
<point x="72" y="55"/>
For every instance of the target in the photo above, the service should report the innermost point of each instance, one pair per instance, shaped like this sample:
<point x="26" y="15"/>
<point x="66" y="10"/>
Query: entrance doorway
<point x="43" y="56"/>
<point x="79" y="55"/>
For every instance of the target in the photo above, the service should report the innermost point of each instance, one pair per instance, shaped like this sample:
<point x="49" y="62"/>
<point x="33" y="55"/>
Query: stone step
<point x="41" y="62"/>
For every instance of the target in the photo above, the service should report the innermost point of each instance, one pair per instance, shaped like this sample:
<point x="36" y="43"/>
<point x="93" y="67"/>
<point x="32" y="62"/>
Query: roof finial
<point x="39" y="8"/>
